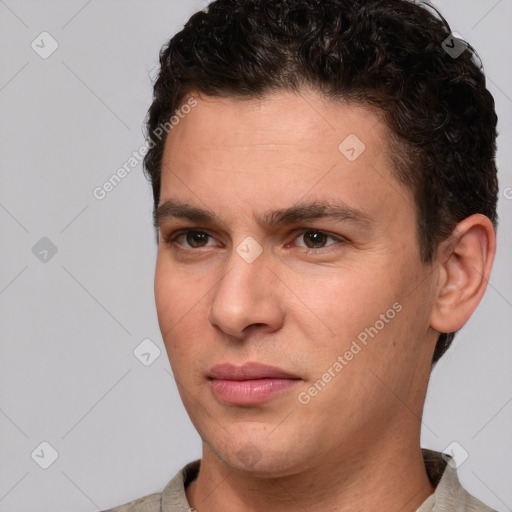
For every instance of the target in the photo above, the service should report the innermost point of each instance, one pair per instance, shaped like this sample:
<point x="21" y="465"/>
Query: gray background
<point x="70" y="324"/>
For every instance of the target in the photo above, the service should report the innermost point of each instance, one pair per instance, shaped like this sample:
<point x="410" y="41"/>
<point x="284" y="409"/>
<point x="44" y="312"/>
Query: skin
<point x="356" y="444"/>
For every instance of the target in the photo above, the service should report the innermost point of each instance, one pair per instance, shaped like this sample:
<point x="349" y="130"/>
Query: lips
<point x="249" y="384"/>
<point x="249" y="371"/>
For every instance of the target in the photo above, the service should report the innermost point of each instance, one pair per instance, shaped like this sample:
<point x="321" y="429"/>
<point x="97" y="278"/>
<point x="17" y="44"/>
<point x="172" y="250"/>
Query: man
<point x="325" y="203"/>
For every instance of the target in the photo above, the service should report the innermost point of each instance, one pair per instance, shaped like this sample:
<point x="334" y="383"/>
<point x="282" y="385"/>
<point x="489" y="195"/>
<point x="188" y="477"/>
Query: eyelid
<point x="339" y="238"/>
<point x="171" y="238"/>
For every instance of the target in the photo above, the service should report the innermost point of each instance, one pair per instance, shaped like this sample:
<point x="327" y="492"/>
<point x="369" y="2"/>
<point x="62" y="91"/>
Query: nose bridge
<point x="245" y="295"/>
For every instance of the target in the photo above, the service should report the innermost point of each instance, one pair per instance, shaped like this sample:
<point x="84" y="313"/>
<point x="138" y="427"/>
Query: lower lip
<point x="249" y="392"/>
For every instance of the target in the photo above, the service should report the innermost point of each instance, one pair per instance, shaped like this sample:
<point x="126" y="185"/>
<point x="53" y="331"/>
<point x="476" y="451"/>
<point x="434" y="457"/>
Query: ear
<point x="465" y="262"/>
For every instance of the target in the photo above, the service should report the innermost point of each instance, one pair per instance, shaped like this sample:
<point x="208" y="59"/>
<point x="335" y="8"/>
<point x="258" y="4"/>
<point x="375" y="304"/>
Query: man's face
<point x="341" y="303"/>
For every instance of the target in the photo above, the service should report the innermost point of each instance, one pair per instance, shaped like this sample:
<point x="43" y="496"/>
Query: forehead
<point x="306" y="120"/>
<point x="278" y="150"/>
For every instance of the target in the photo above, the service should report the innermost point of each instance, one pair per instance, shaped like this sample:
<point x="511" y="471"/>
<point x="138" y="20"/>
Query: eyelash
<point x="171" y="239"/>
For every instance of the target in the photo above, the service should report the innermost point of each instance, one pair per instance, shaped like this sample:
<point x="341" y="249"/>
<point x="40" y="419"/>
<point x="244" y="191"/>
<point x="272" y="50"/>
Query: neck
<point x="387" y="478"/>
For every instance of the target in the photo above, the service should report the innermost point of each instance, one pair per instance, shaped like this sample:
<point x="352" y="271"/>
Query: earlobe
<point x="465" y="262"/>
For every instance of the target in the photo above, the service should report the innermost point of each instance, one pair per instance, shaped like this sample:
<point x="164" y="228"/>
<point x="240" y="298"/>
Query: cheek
<point x="172" y="303"/>
<point x="165" y="296"/>
<point x="180" y="306"/>
<point x="344" y="302"/>
<point x="175" y="292"/>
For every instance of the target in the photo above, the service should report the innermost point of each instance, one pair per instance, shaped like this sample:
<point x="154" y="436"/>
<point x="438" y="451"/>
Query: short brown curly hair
<point x="389" y="55"/>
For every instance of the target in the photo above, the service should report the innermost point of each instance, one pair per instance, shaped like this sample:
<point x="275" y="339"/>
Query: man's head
<point x="390" y="55"/>
<point x="323" y="205"/>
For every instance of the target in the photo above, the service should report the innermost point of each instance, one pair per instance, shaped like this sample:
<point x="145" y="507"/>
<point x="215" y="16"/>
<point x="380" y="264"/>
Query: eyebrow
<point x="300" y="212"/>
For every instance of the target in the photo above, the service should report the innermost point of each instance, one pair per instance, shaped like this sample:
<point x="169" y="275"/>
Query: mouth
<point x="249" y="384"/>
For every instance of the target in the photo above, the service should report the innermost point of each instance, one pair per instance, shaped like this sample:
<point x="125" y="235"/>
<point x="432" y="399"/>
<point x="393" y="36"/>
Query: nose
<point x="246" y="298"/>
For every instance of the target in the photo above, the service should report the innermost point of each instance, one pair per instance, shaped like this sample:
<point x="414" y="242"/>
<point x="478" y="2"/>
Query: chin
<point x="260" y="457"/>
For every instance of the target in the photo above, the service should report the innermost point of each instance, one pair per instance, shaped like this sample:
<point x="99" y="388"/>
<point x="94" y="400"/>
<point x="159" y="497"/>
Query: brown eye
<point x="196" y="239"/>
<point x="315" y="239"/>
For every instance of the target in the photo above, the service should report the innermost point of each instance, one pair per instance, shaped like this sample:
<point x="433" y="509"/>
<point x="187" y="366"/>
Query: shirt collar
<point x="174" y="498"/>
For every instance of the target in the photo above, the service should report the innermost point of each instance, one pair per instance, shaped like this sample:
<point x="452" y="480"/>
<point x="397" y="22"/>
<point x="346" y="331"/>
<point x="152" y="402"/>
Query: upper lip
<point x="248" y="371"/>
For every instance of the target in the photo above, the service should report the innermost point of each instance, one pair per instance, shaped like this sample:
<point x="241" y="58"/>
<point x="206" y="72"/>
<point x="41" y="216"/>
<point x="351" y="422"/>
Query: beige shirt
<point x="449" y="496"/>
